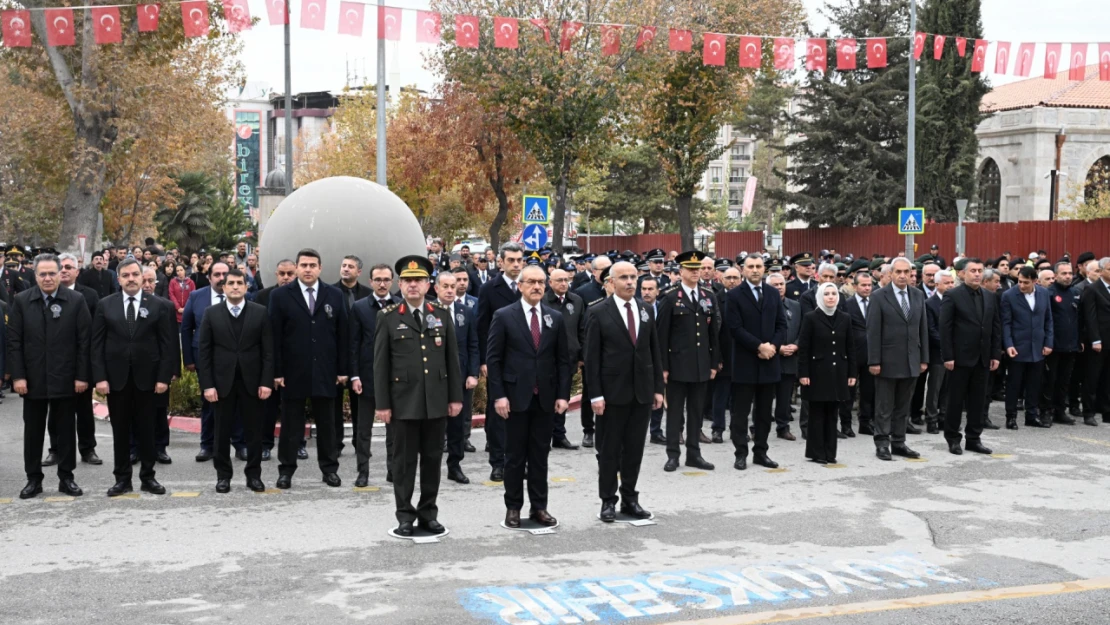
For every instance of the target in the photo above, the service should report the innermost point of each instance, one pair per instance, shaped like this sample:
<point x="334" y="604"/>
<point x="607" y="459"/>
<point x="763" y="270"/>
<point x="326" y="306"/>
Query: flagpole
<point x="911" y="137"/>
<point x="288" y="109"/>
<point x="380" y="156"/>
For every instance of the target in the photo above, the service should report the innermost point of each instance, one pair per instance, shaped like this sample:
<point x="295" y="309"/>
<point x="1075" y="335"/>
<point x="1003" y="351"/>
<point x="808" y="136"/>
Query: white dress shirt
<point x="215" y="298"/>
<point x="1031" y="299"/>
<point x="619" y="303"/>
<point x="528" y="313"/>
<point x="509" y="281"/>
<point x="304" y="292"/>
<point x="241" y="305"/>
<point x="138" y="302"/>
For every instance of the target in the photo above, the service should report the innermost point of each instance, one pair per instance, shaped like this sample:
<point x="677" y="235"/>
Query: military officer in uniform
<point x="803" y="266"/>
<point x="417" y="386"/>
<point x="688" y="327"/>
<point x="655" y="270"/>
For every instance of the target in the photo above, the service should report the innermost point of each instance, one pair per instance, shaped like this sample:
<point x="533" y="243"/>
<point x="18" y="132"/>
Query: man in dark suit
<point x="349" y="272"/>
<point x="1064" y="299"/>
<point x="936" y="388"/>
<point x="649" y="294"/>
<point x="897" y="352"/>
<point x="1027" y="336"/>
<point x="721" y="390"/>
<point x="236" y="371"/>
<point x="417" y="390"/>
<point x="99" y="277"/>
<point x="573" y="310"/>
<point x="466" y="333"/>
<point x="286" y="272"/>
<point x="591" y="290"/>
<point x="479" y="275"/>
<point x="1095" y="303"/>
<point x="161" y="401"/>
<point x="529" y="380"/>
<point x="1076" y="395"/>
<point x="132" y="360"/>
<point x="47" y="337"/>
<point x="971" y="339"/>
<point x="624" y="375"/>
<point x="495" y="295"/>
<point x="788" y="357"/>
<point x="757" y="323"/>
<point x="857" y="309"/>
<point x="309" y="321"/>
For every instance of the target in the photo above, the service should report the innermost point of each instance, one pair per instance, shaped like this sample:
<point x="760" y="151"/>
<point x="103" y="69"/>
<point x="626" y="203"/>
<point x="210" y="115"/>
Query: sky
<point x="324" y="60"/>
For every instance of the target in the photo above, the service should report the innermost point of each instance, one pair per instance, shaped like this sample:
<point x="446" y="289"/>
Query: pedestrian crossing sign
<point x="911" y="221"/>
<point x="537" y="209"/>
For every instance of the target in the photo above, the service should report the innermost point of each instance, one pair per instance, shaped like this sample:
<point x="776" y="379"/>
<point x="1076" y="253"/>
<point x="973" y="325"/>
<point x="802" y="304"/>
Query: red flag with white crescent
<point x="428" y="26"/>
<point x="784" y="53"/>
<point x="961" y="46"/>
<point x="276" y="13"/>
<point x="106" y="28"/>
<point x="1104" y="61"/>
<point x="352" y="18"/>
<point x="389" y="23"/>
<point x="313" y="13"/>
<point x="876" y="53"/>
<point x="610" y="39"/>
<point x="147" y="15"/>
<point x="816" y="59"/>
<point x="1024" y="64"/>
<point x="59" y="27"/>
<point x="918" y="45"/>
<point x="16" y="28"/>
<point x="567" y="34"/>
<point x="846" y="54"/>
<point x="938" y="46"/>
<point x="542" y="25"/>
<point x="194" y="18"/>
<point x="979" y="56"/>
<point x="680" y="40"/>
<point x="466" y="31"/>
<point x="713" y="49"/>
<point x="645" y="38"/>
<point x="1078" y="62"/>
<point x="1002" y="57"/>
<point x="1052" y="52"/>
<point x="237" y="14"/>
<point x="505" y="33"/>
<point x="751" y="52"/>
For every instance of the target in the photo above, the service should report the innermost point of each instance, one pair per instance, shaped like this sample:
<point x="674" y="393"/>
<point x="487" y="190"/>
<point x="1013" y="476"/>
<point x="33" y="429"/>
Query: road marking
<point x="694" y="473"/>
<point x="366" y="489"/>
<point x="916" y="459"/>
<point x="836" y="466"/>
<point x="1002" y="456"/>
<point x="907" y="603"/>
<point x="185" y="494"/>
<point x="491" y="483"/>
<point x="271" y="491"/>
<point x="57" y="499"/>
<point x="126" y="496"/>
<point x="1092" y="441"/>
<point x="776" y="471"/>
<point x="563" y="479"/>
<point x="6" y="500"/>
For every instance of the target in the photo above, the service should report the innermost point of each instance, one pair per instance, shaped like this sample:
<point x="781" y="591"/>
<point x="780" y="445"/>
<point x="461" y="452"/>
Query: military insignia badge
<point x="402" y="327"/>
<point x="431" y="321"/>
<point x="439" y="341"/>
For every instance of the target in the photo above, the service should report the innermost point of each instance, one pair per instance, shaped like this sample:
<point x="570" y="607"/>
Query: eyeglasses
<point x="381" y="280"/>
<point x="533" y="282"/>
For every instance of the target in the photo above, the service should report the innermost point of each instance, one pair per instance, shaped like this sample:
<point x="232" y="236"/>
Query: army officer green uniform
<point x="417" y="386"/>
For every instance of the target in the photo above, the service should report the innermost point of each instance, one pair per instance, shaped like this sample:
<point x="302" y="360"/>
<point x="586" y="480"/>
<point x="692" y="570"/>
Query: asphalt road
<point x="967" y="539"/>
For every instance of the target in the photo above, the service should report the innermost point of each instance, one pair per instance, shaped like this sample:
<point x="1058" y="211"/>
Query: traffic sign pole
<point x="911" y="137"/>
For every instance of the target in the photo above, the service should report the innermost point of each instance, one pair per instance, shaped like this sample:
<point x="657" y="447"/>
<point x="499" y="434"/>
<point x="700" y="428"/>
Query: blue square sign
<point x="911" y="221"/>
<point x="536" y="209"/>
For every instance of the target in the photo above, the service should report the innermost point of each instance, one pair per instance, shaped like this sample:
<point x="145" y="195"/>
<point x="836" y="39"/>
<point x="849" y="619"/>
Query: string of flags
<point x="60" y="26"/>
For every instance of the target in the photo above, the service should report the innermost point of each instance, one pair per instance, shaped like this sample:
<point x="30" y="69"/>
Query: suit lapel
<point x="525" y="324"/>
<point x="300" y="296"/>
<point x="619" y="318"/>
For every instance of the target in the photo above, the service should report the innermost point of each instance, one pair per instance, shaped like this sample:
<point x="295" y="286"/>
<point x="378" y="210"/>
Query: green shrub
<point x="185" y="395"/>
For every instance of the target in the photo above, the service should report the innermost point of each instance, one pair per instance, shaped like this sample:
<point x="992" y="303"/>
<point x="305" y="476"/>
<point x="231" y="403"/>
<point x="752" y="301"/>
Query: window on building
<point x="736" y="174"/>
<point x="734" y="197"/>
<point x="1098" y="179"/>
<point x="990" y="192"/>
<point x="715" y="195"/>
<point x="715" y="175"/>
<point x="740" y="152"/>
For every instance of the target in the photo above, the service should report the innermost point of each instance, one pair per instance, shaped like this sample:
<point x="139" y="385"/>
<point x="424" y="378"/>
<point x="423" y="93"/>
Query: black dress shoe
<point x="608" y="512"/>
<point x="633" y="509"/>
<point x="241" y="454"/>
<point x="497" y="475"/>
<point x="866" y="430"/>
<point x="978" y="448"/>
<point x="883" y="453"/>
<point x="486" y="450"/>
<point x="32" y="488"/>
<point x="456" y="475"/>
<point x="69" y="487"/>
<point x="512" y="518"/>
<point x="841" y="435"/>
<point x="988" y="425"/>
<point x="468" y="448"/>
<point x="134" y="458"/>
<point x="658" y="440"/>
<point x="562" y="443"/>
<point x="255" y="484"/>
<point x="153" y="487"/>
<point x="786" y="435"/>
<point x="433" y="526"/>
<point x="932" y="428"/>
<point x="588" y="440"/>
<point x="90" y="457"/>
<point x="50" y="460"/>
<point x="362" y="480"/>
<point x="847" y="432"/>
<point x="1075" y="412"/>
<point x="1037" y="423"/>
<point x="1090" y="421"/>
<point x="265" y="455"/>
<point x="718" y="437"/>
<point x="205" y="455"/>
<point x="697" y="462"/>
<point x="119" y="488"/>
<point x="332" y="479"/>
<point x="302" y="454"/>
<point x="404" y="529"/>
<point x="671" y="465"/>
<point x="1011" y="423"/>
<point x="223" y="486"/>
<point x="543" y="518"/>
<point x="954" y="448"/>
<point x="1064" y="420"/>
<point x="905" y="452"/>
<point x="764" y="461"/>
<point x="284" y="481"/>
<point x="917" y="420"/>
<point x="910" y="429"/>
<point x="163" y="458"/>
<point x="702" y="438"/>
<point x="740" y="464"/>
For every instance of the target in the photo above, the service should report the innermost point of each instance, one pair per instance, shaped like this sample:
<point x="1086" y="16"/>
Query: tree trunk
<point x="647" y="225"/>
<point x="498" y="219"/>
<point x="685" y="225"/>
<point x="86" y="187"/>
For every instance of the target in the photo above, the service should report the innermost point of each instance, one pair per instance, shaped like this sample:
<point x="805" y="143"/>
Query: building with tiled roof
<point x="1017" y="143"/>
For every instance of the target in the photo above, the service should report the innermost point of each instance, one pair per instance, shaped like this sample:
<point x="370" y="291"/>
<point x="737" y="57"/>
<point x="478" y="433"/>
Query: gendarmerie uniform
<point x="797" y="286"/>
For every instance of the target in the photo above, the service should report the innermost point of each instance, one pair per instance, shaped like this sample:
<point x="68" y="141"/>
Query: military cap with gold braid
<point x="15" y="251"/>
<point x="414" y="267"/>
<point x="691" y="259"/>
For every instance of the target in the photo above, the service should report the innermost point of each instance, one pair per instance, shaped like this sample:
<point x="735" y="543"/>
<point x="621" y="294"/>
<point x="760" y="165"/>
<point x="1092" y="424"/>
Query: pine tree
<point x="948" y="97"/>
<point x="848" y="165"/>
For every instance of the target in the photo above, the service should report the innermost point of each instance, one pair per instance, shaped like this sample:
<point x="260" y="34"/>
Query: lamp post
<point x="961" y="213"/>
<point x="1054" y="191"/>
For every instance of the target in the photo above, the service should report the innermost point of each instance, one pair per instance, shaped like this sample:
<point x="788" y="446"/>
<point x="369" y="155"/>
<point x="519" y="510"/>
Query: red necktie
<point x="631" y="321"/>
<point x="535" y="329"/>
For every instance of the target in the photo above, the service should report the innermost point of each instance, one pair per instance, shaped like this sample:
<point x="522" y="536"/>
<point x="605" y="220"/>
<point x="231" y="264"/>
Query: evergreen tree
<point x="948" y="98"/>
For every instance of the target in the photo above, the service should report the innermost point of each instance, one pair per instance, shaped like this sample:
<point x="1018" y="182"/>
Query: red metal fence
<point x="729" y="244"/>
<point x="638" y="243"/>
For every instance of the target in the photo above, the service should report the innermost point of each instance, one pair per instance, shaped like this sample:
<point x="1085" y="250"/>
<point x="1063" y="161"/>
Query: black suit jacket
<point x="310" y="349"/>
<point x="751" y="324"/>
<point x="262" y="297"/>
<point x="859" y="328"/>
<point x="466" y="334"/>
<point x="92" y="298"/>
<point x="966" y="338"/>
<point x="360" y="291"/>
<point x="50" y="353"/>
<point x="573" y="311"/>
<point x="360" y="339"/>
<point x="932" y="311"/>
<point x="616" y="369"/>
<point x="221" y="352"/>
<point x="476" y="283"/>
<point x="144" y="359"/>
<point x="493" y="296"/>
<point x="1095" y="304"/>
<point x="516" y="367"/>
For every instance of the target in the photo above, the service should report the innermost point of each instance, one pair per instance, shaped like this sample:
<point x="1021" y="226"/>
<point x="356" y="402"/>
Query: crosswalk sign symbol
<point x="536" y="209"/>
<point x="911" y="221"/>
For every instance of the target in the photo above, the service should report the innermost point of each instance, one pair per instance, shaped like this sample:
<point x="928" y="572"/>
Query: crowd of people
<point x="880" y="346"/>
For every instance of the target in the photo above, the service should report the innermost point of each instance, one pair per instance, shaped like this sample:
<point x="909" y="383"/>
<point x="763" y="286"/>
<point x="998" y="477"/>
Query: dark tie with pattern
<point x="905" y="304"/>
<point x="535" y="329"/>
<point x="311" y="301"/>
<point x="131" y="316"/>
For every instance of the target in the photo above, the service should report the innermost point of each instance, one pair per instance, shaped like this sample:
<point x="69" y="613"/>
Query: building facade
<point x="723" y="181"/>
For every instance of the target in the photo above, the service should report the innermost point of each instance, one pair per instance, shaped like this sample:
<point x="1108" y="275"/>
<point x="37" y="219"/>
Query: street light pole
<point x="911" y="136"/>
<point x="381" y="101"/>
<point x="288" y="110"/>
<point x="1054" y="191"/>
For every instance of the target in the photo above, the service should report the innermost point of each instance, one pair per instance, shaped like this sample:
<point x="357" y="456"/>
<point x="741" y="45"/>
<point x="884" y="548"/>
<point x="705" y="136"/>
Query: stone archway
<point x="1098" y="179"/>
<point x="989" y="202"/>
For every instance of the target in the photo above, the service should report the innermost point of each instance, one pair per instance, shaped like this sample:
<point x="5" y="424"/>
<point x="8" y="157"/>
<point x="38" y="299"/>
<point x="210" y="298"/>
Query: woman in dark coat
<point x="825" y="364"/>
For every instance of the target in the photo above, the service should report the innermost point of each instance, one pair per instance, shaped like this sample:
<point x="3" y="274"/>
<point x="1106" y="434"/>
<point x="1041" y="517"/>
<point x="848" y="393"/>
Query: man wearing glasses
<point x="571" y="307"/>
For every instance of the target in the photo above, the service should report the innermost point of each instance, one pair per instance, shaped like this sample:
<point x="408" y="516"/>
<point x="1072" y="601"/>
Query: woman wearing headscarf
<point x="825" y="370"/>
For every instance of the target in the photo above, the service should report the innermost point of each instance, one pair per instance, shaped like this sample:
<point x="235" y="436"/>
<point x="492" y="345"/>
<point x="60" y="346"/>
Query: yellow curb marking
<point x="58" y="499"/>
<point x="1002" y="455"/>
<point x="1092" y="441"/>
<point x="776" y="470"/>
<point x="836" y="466"/>
<point x="7" y="500"/>
<point x="185" y="494"/>
<point x="366" y="489"/>
<point x="491" y="483"/>
<point x="916" y="459"/>
<point x="694" y="473"/>
<point x="563" y="479"/>
<point x="126" y="496"/>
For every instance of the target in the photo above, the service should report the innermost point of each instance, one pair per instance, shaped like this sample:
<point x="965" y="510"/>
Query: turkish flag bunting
<point x="713" y="49"/>
<point x="646" y="36"/>
<point x="542" y="25"/>
<point x="815" y="55"/>
<point x="918" y="45"/>
<point x="466" y="31"/>
<point x="506" y="33"/>
<point x="1104" y="61"/>
<point x="276" y="13"/>
<point x="567" y="34"/>
<point x="194" y="18"/>
<point x="961" y="46"/>
<point x="1078" y="62"/>
<point x="610" y="39"/>
<point x="237" y="14"/>
<point x="1024" y="63"/>
<point x="389" y="23"/>
<point x="979" y="56"/>
<point x="147" y="16"/>
<point x="16" y="28"/>
<point x="352" y="17"/>
<point x="846" y="54"/>
<point x="313" y="13"/>
<point x="1052" y="53"/>
<point x="876" y="53"/>
<point x="784" y="53"/>
<point x="1002" y="57"/>
<point x="428" y="26"/>
<point x="106" y="27"/>
<point x="751" y="52"/>
<point x="680" y="40"/>
<point x="59" y="27"/>
<point x="938" y="46"/>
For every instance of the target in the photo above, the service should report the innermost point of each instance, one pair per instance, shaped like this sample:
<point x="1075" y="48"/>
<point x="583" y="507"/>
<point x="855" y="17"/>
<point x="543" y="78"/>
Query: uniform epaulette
<point x="671" y="289"/>
<point x="596" y="301"/>
<point x="438" y="305"/>
<point x="391" y="308"/>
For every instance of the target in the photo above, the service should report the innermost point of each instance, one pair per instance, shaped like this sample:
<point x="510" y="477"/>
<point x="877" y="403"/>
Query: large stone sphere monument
<point x="336" y="217"/>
